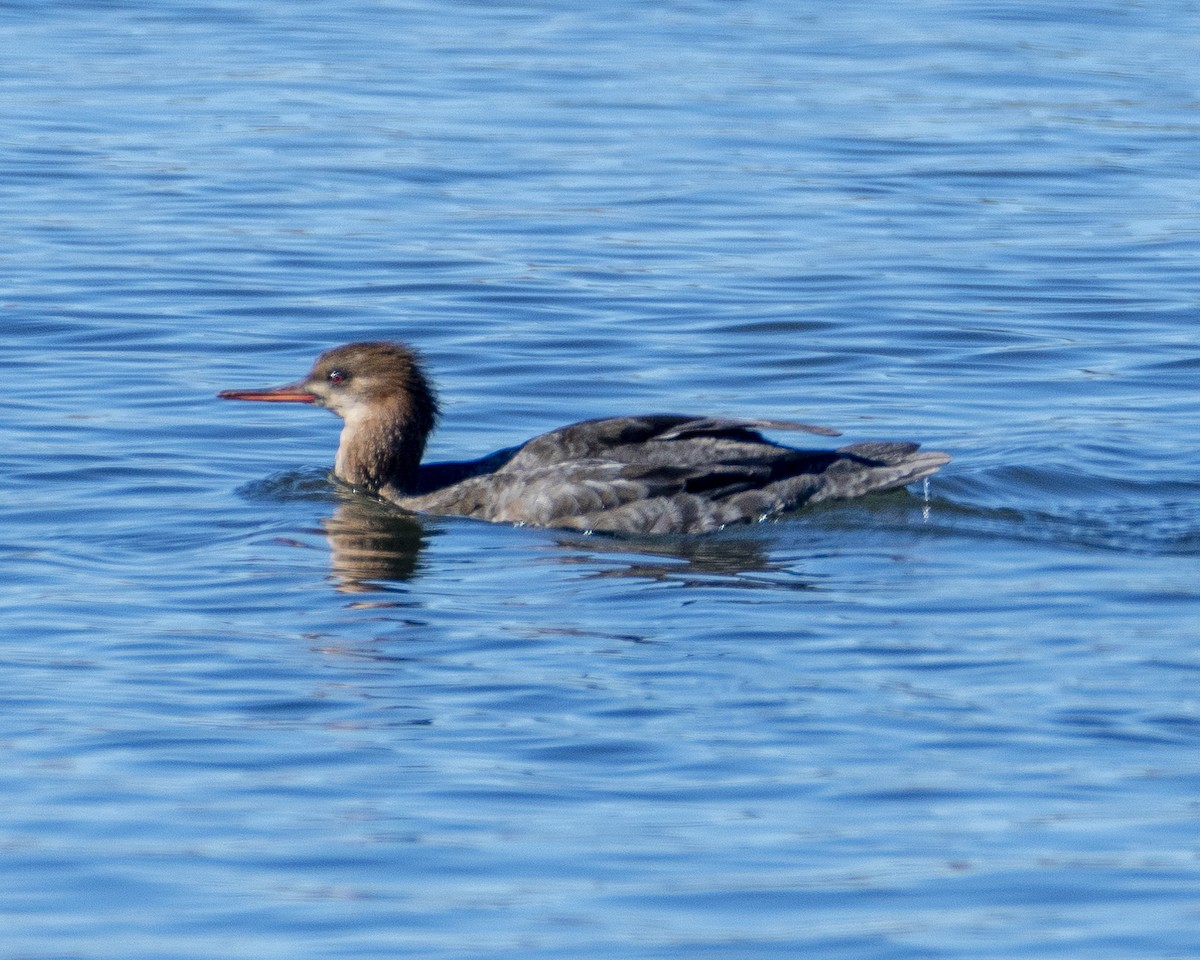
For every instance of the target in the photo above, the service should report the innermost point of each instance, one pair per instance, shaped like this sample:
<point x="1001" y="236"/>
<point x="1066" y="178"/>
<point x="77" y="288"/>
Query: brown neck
<point x="374" y="453"/>
<point x="383" y="447"/>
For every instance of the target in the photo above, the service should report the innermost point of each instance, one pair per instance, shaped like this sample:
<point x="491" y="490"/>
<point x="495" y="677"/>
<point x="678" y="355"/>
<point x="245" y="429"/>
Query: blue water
<point x="245" y="715"/>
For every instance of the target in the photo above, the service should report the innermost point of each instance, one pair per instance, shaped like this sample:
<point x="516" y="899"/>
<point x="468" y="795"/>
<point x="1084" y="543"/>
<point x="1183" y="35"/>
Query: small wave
<point x="1087" y="510"/>
<point x="312" y="484"/>
<point x="1164" y="528"/>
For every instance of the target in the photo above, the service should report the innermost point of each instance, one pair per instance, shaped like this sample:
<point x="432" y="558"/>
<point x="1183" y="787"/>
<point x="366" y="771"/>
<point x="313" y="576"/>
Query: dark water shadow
<point x="374" y="546"/>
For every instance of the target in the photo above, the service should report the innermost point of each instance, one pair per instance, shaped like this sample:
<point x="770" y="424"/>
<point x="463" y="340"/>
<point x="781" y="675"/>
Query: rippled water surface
<point x="248" y="715"/>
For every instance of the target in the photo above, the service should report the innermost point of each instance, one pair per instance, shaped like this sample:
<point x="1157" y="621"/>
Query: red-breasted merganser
<point x="648" y="474"/>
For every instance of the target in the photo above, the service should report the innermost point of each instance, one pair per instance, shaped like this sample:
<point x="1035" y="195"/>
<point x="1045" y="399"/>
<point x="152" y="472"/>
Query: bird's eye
<point x="338" y="376"/>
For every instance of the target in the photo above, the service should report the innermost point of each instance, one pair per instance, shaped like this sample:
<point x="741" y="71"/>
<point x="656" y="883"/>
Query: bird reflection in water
<point x="371" y="545"/>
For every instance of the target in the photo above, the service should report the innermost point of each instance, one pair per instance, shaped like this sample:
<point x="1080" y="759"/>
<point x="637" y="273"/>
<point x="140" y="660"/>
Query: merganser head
<point x="381" y="391"/>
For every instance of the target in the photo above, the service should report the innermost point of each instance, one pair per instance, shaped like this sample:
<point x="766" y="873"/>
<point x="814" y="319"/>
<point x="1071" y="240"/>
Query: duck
<point x="634" y="475"/>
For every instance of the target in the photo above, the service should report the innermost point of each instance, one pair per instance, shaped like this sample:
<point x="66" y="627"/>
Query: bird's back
<point x="661" y="474"/>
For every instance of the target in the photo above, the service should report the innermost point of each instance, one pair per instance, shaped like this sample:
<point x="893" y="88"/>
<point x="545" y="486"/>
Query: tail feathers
<point x="871" y="467"/>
